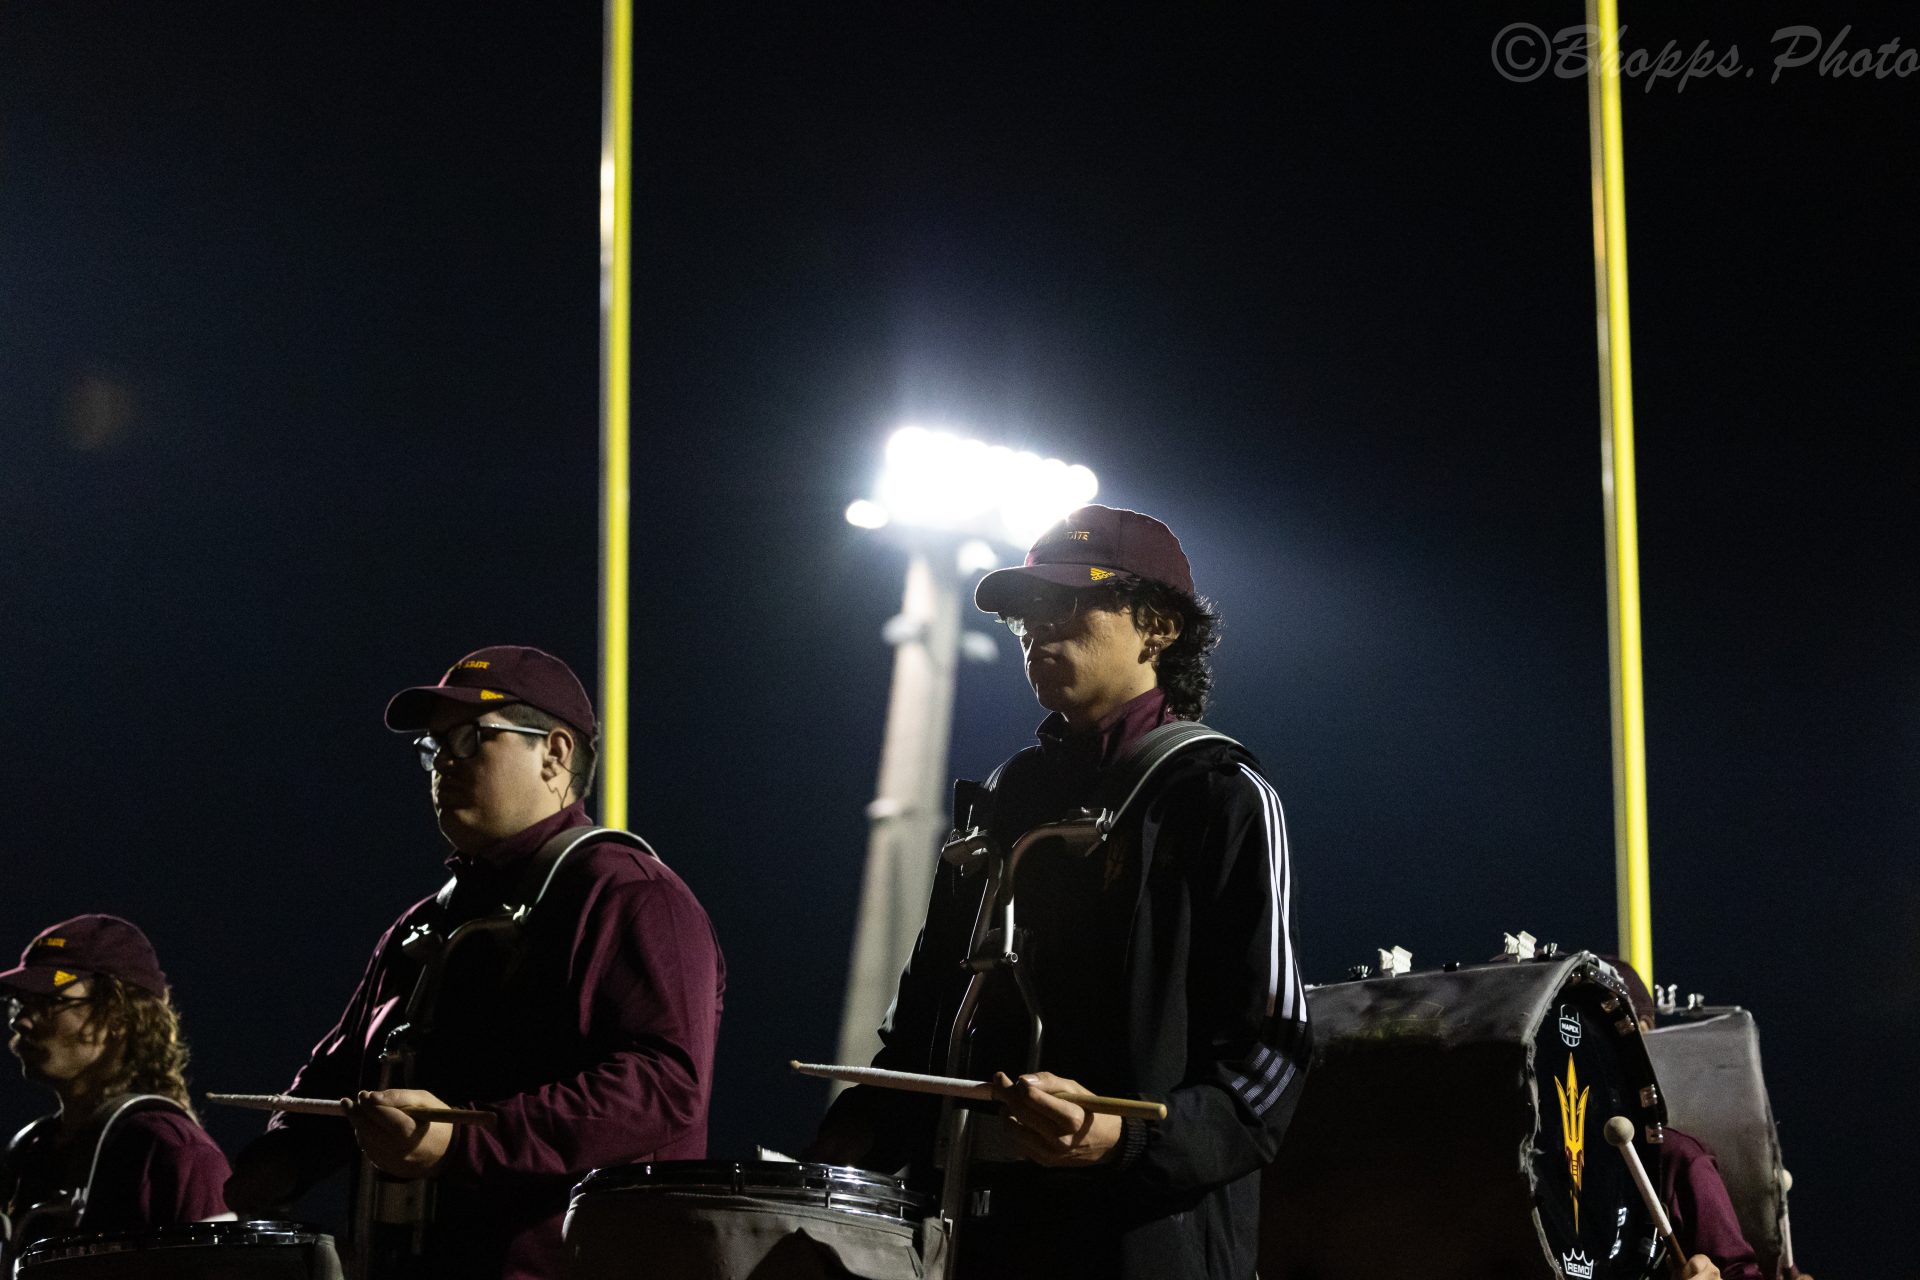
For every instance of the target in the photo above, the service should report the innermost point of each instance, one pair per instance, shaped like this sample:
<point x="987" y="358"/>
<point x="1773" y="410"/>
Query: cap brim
<point x="1004" y="588"/>
<point x="36" y="979"/>
<point x="413" y="709"/>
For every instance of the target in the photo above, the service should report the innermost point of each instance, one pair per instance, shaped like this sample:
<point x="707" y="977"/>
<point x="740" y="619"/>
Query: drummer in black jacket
<point x="1164" y="964"/>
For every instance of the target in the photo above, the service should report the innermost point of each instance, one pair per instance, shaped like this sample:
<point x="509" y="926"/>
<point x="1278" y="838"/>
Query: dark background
<point x="298" y="396"/>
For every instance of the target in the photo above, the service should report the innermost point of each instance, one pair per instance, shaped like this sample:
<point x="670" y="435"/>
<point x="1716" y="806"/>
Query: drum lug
<point x="1395" y="962"/>
<point x="1649" y="1097"/>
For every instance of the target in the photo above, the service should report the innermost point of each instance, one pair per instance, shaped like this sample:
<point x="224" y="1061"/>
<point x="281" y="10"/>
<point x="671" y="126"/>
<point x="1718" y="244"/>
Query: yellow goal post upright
<point x="616" y="480"/>
<point x="1606" y="161"/>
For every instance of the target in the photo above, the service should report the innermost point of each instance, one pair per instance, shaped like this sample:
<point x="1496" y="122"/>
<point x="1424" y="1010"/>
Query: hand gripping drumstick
<point x="1620" y="1134"/>
<point x="980" y="1090"/>
<point x="332" y="1107"/>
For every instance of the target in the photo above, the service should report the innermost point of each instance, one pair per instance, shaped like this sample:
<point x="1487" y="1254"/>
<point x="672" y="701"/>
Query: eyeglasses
<point x="41" y="1007"/>
<point x="1056" y="610"/>
<point x="462" y="741"/>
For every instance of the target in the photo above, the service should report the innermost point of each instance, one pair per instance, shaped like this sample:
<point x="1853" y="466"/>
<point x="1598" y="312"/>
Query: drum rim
<point x="176" y="1235"/>
<point x="844" y="1188"/>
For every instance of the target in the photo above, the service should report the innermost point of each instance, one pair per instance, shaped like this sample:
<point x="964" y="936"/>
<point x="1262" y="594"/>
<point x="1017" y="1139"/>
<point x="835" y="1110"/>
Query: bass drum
<point x="192" y="1251"/>
<point x="1453" y="1126"/>
<point x="717" y="1220"/>
<point x="1709" y="1061"/>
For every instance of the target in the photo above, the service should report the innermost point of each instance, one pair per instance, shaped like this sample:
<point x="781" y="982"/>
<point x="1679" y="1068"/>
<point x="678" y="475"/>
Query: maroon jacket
<point x="1695" y="1197"/>
<point x="157" y="1167"/>
<point x="593" y="1043"/>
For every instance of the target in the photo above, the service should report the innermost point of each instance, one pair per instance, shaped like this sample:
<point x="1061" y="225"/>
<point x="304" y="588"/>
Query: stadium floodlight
<point x="942" y="481"/>
<point x="951" y="500"/>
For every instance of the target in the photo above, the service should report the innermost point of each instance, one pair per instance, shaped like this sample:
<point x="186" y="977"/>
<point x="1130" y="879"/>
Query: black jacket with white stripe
<point x="1167" y="971"/>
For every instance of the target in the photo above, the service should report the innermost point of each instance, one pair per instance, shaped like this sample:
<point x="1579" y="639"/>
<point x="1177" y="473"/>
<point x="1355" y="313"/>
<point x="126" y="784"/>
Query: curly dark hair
<point x="1186" y="665"/>
<point x="1184" y="668"/>
<point x="586" y="753"/>
<point x="154" y="1054"/>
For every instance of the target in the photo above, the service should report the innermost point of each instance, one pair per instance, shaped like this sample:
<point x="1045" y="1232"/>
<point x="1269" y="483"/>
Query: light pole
<point x="946" y="499"/>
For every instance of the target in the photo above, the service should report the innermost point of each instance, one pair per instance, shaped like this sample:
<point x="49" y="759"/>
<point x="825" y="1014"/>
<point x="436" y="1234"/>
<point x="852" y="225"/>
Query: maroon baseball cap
<point x="1092" y="545"/>
<point x="87" y="947"/>
<point x="497" y="677"/>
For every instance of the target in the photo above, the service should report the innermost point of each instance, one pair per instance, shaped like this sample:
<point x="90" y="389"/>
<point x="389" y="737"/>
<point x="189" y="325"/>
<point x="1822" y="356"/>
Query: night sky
<point x="298" y="403"/>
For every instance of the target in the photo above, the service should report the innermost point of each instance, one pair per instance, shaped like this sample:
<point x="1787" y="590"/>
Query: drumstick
<point x="1620" y="1134"/>
<point x="333" y="1107"/>
<point x="953" y="1087"/>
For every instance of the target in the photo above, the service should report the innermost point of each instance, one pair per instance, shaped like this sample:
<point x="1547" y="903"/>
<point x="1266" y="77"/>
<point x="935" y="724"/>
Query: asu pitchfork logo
<point x="1573" y="1130"/>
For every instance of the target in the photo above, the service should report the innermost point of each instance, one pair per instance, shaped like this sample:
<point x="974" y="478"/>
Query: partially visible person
<point x="90" y="1018"/>
<point x="1691" y="1189"/>
<point x="1695" y="1197"/>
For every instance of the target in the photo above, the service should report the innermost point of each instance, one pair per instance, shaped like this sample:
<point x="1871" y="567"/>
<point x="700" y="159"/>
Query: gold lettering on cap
<point x="1099" y="575"/>
<point x="1079" y="535"/>
<point x="61" y="977"/>
<point x="474" y="664"/>
<point x="53" y="942"/>
<point x="488" y="695"/>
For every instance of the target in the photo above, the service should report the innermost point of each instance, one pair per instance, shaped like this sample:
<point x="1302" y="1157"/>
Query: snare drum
<point x="718" y="1220"/>
<point x="192" y="1251"/>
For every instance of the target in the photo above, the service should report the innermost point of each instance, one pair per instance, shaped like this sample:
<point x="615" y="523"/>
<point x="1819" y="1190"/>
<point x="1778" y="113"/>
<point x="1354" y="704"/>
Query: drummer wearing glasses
<point x="565" y="980"/>
<point x="90" y="1017"/>
<point x="1162" y="962"/>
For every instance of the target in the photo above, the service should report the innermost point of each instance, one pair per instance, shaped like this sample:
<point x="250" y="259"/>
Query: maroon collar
<point x="1115" y="731"/>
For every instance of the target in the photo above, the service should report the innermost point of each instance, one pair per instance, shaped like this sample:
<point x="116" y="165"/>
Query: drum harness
<point x="71" y="1206"/>
<point x="380" y="1200"/>
<point x="994" y="951"/>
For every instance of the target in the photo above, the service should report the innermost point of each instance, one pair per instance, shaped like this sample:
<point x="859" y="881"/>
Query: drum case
<point x="1709" y="1065"/>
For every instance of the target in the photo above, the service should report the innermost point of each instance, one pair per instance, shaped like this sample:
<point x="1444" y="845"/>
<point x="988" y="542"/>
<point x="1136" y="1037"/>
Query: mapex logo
<point x="1577" y="1265"/>
<point x="1569" y="1027"/>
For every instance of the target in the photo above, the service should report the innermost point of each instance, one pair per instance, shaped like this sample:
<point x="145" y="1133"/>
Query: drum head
<point x="1589" y="1208"/>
